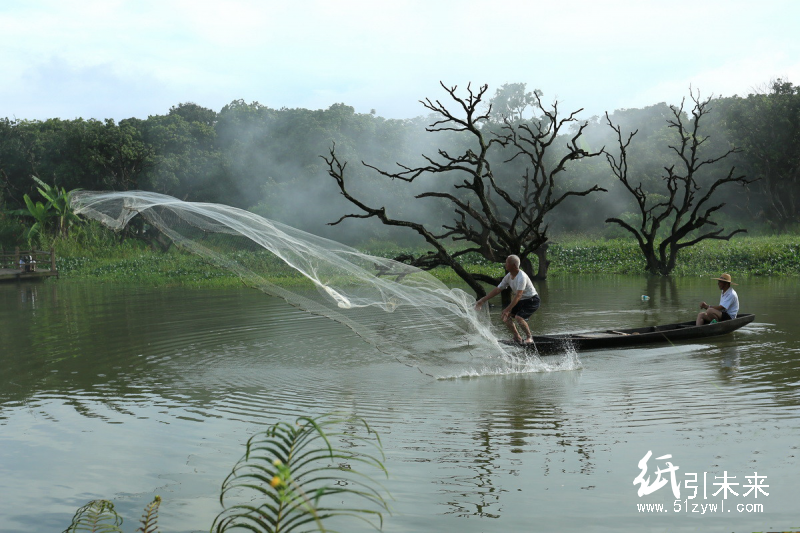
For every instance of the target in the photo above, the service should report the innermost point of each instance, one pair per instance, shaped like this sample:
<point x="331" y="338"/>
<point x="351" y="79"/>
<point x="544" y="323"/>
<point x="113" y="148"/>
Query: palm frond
<point x="289" y="473"/>
<point x="150" y="516"/>
<point x="97" y="516"/>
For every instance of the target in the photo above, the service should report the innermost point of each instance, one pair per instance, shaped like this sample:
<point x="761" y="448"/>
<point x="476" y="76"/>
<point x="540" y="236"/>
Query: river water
<point x="125" y="392"/>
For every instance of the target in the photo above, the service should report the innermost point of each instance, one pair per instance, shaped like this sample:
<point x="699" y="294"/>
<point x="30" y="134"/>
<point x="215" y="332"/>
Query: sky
<point x="121" y="59"/>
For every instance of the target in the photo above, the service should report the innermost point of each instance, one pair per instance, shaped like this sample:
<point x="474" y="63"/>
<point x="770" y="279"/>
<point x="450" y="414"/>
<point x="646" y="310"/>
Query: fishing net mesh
<point x="401" y="310"/>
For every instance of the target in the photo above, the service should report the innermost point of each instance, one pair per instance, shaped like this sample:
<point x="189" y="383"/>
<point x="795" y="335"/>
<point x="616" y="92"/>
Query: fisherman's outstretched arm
<point x="494" y="292"/>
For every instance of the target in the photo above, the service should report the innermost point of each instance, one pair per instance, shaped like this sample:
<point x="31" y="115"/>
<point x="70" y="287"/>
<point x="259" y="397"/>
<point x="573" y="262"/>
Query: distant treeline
<point x="267" y="160"/>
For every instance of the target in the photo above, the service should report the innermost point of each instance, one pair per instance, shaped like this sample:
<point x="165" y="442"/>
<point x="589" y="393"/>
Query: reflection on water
<point x="127" y="392"/>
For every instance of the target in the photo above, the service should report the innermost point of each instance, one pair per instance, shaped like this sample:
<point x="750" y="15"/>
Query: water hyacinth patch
<point x="127" y="262"/>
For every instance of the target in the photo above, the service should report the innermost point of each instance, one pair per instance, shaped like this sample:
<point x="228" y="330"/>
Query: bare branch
<point x="491" y="216"/>
<point x="688" y="214"/>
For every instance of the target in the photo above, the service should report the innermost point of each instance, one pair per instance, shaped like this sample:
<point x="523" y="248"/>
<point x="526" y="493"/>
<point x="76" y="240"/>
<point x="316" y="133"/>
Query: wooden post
<point x="52" y="259"/>
<point x="16" y="257"/>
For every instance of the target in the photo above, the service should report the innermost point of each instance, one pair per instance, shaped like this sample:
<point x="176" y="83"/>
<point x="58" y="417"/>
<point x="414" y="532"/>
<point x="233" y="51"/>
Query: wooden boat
<point x="621" y="338"/>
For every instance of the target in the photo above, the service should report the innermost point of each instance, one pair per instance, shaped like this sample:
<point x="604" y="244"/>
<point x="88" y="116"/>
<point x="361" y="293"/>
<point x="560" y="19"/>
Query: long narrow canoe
<point x="616" y="338"/>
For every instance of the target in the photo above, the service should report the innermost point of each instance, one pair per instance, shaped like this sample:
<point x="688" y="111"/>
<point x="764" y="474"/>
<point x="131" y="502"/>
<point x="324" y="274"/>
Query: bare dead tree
<point x="686" y="206"/>
<point x="494" y="219"/>
<point x="540" y="193"/>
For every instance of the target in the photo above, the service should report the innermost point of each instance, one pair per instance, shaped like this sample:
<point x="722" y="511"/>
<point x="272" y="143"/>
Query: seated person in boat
<point x="728" y="303"/>
<point x="524" y="300"/>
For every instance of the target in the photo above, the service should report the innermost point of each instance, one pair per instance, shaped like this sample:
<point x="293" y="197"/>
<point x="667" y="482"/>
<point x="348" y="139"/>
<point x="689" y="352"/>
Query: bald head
<point x="512" y="263"/>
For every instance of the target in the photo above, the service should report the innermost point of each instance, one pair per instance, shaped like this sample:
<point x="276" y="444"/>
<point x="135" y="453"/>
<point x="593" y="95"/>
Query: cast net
<point x="401" y="310"/>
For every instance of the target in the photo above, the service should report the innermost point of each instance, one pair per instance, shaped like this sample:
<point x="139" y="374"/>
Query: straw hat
<point x="726" y="278"/>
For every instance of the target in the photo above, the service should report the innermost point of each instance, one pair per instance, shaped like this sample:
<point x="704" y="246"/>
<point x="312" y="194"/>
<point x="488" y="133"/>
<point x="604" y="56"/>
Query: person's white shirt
<point x="730" y="301"/>
<point x="520" y="282"/>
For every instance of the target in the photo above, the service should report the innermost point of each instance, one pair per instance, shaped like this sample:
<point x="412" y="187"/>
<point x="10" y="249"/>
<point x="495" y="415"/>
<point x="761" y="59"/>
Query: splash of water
<point x="401" y="310"/>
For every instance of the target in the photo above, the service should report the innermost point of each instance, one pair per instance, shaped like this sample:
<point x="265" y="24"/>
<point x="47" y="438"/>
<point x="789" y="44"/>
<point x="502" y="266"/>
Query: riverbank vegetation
<point x="269" y="161"/>
<point x="570" y="255"/>
<point x="95" y="253"/>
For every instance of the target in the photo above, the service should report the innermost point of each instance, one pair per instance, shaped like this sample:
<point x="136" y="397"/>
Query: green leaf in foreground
<point x="150" y="517"/>
<point x="97" y="516"/>
<point x="299" y="477"/>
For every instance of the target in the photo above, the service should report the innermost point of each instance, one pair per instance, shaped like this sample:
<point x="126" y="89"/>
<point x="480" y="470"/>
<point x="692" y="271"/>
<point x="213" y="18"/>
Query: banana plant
<point x="42" y="213"/>
<point x="60" y="201"/>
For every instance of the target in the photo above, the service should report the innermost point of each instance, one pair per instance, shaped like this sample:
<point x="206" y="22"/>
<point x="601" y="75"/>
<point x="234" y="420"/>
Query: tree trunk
<point x="544" y="263"/>
<point x="653" y="264"/>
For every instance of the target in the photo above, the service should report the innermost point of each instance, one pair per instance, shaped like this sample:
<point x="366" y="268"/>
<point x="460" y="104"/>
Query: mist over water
<point x="403" y="311"/>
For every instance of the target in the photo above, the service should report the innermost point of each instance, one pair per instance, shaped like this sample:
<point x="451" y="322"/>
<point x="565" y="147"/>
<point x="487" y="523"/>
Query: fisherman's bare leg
<point x="509" y="322"/>
<point x="701" y="319"/>
<point x="523" y="324"/>
<point x="708" y="315"/>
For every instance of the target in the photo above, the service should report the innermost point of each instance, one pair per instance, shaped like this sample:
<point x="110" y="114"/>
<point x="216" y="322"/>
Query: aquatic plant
<point x="290" y="472"/>
<point x="284" y="482"/>
<point x="99" y="516"/>
<point x="92" y="251"/>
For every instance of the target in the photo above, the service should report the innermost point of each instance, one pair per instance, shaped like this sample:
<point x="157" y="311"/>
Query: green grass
<point x="147" y="267"/>
<point x="743" y="256"/>
<point x="104" y="258"/>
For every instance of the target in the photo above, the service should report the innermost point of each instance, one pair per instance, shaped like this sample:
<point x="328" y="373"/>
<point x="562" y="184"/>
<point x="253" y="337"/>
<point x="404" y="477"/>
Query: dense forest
<point x="269" y="161"/>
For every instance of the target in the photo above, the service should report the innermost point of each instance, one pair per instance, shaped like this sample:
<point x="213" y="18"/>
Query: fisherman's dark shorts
<point x="525" y="308"/>
<point x="725" y="316"/>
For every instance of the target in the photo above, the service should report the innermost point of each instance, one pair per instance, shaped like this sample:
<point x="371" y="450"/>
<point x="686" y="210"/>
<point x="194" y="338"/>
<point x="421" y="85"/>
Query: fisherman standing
<point x="524" y="300"/>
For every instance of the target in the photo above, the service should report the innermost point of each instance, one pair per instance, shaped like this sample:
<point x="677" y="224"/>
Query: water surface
<point x="126" y="392"/>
